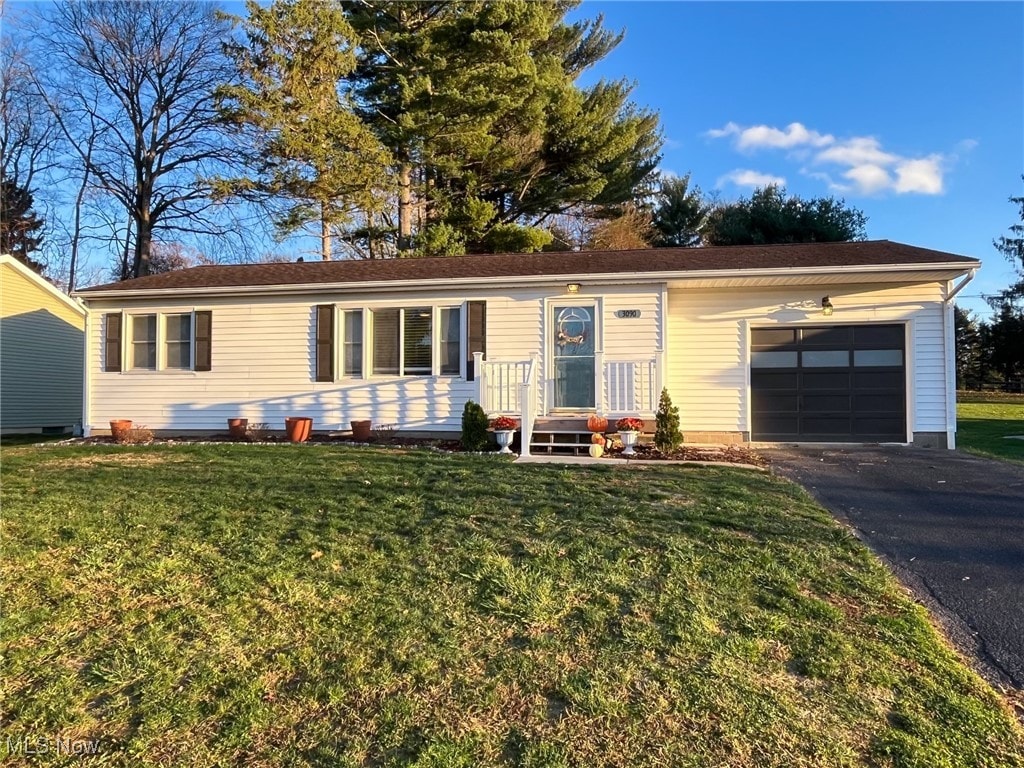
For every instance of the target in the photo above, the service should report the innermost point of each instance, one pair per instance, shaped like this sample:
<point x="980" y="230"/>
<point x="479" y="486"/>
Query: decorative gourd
<point x="597" y="439"/>
<point x="597" y="423"/>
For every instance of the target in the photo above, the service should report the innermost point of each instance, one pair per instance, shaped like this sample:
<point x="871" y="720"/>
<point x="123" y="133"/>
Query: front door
<point x="573" y="329"/>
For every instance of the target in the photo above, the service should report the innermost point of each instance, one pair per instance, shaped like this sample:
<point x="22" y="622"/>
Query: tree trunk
<point x="404" y="206"/>
<point x="143" y="244"/>
<point x="126" y="252"/>
<point x="325" y="233"/>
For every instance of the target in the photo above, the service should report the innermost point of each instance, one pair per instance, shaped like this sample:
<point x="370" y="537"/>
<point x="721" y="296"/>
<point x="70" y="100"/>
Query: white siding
<point x="708" y="368"/>
<point x="263" y="362"/>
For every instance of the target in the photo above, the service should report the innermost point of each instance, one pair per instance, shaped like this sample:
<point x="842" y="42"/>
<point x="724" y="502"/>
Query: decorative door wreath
<point x="572" y="326"/>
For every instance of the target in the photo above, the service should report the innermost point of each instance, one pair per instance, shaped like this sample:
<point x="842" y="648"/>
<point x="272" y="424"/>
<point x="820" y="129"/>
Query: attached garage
<point x="829" y="383"/>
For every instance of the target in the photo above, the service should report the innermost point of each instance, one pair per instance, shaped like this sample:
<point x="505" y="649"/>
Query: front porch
<point x="524" y="390"/>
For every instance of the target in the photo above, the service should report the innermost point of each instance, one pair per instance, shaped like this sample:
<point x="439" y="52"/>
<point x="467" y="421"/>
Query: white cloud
<point x="923" y="176"/>
<point x="728" y="130"/>
<point x="868" y="178"/>
<point x="767" y="137"/>
<point x="856" y="151"/>
<point x="746" y="178"/>
<point x="866" y="167"/>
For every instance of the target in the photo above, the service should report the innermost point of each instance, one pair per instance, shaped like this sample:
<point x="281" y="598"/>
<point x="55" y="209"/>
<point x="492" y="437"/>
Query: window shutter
<point x="325" y="342"/>
<point x="476" y="334"/>
<point x="204" y="340"/>
<point x="112" y="342"/>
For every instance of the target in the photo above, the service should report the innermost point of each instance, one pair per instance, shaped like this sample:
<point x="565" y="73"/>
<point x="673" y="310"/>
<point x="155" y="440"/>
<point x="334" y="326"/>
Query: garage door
<point x="841" y="383"/>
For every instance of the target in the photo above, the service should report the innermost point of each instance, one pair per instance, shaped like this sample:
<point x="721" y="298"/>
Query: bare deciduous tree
<point x="131" y="85"/>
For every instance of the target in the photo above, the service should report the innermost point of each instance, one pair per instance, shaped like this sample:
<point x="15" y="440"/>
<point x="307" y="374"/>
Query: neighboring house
<point x="738" y="335"/>
<point x="42" y="341"/>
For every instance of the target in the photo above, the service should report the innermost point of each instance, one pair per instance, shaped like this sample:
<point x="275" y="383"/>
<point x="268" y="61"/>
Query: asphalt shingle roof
<point x="574" y="263"/>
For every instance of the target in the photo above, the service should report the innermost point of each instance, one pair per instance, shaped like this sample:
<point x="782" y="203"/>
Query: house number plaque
<point x="629" y="314"/>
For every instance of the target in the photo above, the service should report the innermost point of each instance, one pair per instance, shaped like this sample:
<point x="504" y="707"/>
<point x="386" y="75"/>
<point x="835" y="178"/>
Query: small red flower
<point x="630" y="424"/>
<point x="504" y="422"/>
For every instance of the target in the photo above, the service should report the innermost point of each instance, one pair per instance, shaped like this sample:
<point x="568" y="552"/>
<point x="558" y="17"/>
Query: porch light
<point x="826" y="306"/>
<point x="572" y="287"/>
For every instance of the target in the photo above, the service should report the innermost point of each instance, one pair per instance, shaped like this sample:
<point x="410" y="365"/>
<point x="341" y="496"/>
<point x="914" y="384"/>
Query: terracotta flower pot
<point x="361" y="430"/>
<point x="237" y="428"/>
<point x="120" y="429"/>
<point x="297" y="428"/>
<point x="597" y="423"/>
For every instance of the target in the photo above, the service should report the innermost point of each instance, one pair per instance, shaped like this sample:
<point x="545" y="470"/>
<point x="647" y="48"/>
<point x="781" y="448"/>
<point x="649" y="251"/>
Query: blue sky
<point x="911" y="112"/>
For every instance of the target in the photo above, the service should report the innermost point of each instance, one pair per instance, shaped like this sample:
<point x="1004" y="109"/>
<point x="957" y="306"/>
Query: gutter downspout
<point x="949" y="332"/>
<point x="86" y="428"/>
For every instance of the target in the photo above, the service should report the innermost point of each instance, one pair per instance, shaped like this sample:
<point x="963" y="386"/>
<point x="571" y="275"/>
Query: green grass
<point x="982" y="428"/>
<point x="315" y="605"/>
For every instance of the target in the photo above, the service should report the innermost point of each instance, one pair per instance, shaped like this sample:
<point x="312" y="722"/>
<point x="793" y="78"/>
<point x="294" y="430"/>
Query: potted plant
<point x="297" y="428"/>
<point x="629" y="430"/>
<point x="120" y="430"/>
<point x="361" y="430"/>
<point x="237" y="428"/>
<point x="504" y="428"/>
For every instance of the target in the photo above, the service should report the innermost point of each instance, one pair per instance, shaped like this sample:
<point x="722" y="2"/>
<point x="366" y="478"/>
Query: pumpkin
<point x="597" y="439"/>
<point x="597" y="423"/>
<point x="596" y="451"/>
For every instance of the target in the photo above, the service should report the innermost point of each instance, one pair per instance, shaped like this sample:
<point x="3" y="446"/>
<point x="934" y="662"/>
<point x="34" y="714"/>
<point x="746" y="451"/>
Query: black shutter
<point x="325" y="342"/>
<point x="204" y="340"/>
<point x="476" y="334"/>
<point x="112" y="342"/>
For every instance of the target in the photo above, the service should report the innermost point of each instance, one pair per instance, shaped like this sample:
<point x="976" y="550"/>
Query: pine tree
<point x="19" y="224"/>
<point x="476" y="102"/>
<point x="666" y="431"/>
<point x="680" y="214"/>
<point x="311" y="147"/>
<point x="1012" y="247"/>
<point x="769" y="216"/>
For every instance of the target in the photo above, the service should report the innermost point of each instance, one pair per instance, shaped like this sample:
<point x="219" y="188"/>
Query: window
<point x="386" y="323"/>
<point x="174" y="341"/>
<point x="405" y="341"/>
<point x="417" y="351"/>
<point x="144" y="342"/>
<point x="178" y="341"/>
<point x="352" y="344"/>
<point x="451" y="345"/>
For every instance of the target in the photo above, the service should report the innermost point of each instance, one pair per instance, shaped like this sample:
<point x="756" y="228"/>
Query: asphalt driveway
<point x="951" y="526"/>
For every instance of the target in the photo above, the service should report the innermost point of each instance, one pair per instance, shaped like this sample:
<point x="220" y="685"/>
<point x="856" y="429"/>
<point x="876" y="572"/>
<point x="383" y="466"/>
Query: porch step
<point x="560" y="441"/>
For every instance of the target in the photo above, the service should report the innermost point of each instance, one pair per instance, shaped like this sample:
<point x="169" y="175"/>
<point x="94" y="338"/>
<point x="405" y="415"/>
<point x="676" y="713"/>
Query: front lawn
<point x="321" y="605"/>
<point x="983" y="427"/>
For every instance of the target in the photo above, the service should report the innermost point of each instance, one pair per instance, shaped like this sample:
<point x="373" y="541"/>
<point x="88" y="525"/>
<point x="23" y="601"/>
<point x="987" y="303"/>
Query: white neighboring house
<point x="744" y="339"/>
<point x="42" y="342"/>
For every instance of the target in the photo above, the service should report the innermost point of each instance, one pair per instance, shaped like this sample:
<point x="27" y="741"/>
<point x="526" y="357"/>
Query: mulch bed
<point x="731" y="454"/>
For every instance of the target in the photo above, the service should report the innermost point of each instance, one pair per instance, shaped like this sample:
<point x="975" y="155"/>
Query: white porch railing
<point x="629" y="386"/>
<point x="509" y="387"/>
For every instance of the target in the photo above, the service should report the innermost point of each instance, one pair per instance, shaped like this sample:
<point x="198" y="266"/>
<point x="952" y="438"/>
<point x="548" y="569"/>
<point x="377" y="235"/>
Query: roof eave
<point x="626" y="278"/>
